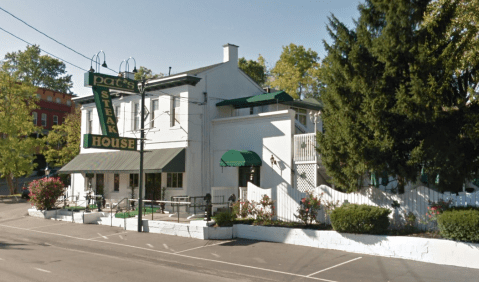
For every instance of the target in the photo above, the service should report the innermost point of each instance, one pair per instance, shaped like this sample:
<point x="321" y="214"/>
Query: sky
<point x="158" y="34"/>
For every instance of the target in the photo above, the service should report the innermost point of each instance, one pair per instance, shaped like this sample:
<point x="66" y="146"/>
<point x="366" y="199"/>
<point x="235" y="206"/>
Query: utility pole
<point x="142" y="144"/>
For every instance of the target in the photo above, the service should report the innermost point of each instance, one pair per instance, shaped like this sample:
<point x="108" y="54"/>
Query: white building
<point x="193" y="119"/>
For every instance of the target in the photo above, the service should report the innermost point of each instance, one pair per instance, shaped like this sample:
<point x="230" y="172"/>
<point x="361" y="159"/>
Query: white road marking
<point x="215" y="255"/>
<point x="150" y="245"/>
<point x="43" y="270"/>
<point x="166" y="246"/>
<point x="202" y="247"/>
<point x="121" y="237"/>
<point x="176" y="254"/>
<point x="106" y="236"/>
<point x="334" y="266"/>
<point x="49" y="225"/>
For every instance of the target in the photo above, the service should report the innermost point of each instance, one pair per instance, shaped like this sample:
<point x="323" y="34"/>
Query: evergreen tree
<point x="17" y="150"/>
<point x="39" y="70"/>
<point x="255" y="70"/>
<point x="394" y="101"/>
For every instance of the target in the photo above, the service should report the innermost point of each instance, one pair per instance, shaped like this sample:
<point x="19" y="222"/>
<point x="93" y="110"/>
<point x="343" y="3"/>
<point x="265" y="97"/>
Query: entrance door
<point x="246" y="175"/>
<point x="100" y="184"/>
<point x="153" y="186"/>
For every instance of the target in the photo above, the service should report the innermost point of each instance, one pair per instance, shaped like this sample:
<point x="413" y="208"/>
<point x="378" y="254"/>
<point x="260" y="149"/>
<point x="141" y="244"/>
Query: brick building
<point x="53" y="108"/>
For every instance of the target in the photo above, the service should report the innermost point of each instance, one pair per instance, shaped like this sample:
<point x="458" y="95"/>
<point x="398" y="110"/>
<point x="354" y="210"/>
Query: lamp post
<point x="142" y="144"/>
<point x="96" y="59"/>
<point x="47" y="171"/>
<point x="314" y="118"/>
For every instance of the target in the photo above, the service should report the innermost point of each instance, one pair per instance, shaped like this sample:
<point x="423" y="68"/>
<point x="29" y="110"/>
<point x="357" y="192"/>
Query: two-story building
<point x="207" y="127"/>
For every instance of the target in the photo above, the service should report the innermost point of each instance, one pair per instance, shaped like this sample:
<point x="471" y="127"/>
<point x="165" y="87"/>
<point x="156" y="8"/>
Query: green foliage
<point x="296" y="71"/>
<point x="255" y="70"/>
<point x="364" y="219"/>
<point x="395" y="98"/>
<point x="45" y="192"/>
<point x="16" y="148"/>
<point x="146" y="73"/>
<point x="39" y="70"/>
<point x="436" y="208"/>
<point x="308" y="209"/>
<point x="134" y="213"/>
<point x="64" y="140"/>
<point x="460" y="224"/>
<point x="224" y="219"/>
<point x="264" y="210"/>
<point x="243" y="209"/>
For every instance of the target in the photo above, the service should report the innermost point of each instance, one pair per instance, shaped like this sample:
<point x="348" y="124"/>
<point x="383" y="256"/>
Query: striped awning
<point x="154" y="161"/>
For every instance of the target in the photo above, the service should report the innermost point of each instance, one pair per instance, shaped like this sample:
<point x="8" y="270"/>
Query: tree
<point x="64" y="140"/>
<point x="39" y="70"/>
<point x="395" y="100"/>
<point x="146" y="73"/>
<point x="296" y="71"/>
<point x="17" y="150"/>
<point x="254" y="69"/>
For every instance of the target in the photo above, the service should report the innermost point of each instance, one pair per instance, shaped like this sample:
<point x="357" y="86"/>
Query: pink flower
<point x="303" y="200"/>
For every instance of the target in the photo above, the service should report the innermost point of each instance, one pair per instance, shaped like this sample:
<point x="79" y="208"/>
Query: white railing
<point x="305" y="148"/>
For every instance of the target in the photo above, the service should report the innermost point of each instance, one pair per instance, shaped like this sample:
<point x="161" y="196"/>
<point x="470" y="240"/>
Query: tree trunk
<point x="10" y="184"/>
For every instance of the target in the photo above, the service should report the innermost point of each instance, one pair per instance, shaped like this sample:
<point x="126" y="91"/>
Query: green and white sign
<point x="101" y="85"/>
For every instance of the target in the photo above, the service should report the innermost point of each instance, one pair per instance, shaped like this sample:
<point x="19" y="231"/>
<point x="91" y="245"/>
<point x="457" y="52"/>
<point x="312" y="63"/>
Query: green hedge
<point x="134" y="213"/>
<point x="353" y="218"/>
<point x="461" y="224"/>
<point x="224" y="219"/>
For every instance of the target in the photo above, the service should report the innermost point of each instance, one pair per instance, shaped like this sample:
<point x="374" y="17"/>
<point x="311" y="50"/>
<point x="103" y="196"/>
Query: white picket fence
<point x="415" y="201"/>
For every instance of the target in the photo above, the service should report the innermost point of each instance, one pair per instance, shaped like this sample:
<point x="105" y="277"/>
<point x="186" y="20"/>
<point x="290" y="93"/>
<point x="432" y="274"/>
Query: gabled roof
<point x="198" y="70"/>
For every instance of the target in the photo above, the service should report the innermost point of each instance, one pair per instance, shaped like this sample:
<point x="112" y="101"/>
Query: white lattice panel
<point x="305" y="176"/>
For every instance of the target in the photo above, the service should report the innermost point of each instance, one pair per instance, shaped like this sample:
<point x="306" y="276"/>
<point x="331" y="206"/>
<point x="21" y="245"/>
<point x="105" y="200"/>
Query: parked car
<point x="25" y="193"/>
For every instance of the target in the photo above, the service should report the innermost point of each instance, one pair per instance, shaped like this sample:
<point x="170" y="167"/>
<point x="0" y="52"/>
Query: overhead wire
<point x="90" y="59"/>
<point x="43" y="50"/>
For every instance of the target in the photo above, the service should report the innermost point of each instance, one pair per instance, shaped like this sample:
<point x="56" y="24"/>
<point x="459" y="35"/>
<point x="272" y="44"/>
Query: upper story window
<point x="175" y="111"/>
<point x="117" y="113"/>
<point x="58" y="100"/>
<point x="154" y="109"/>
<point x="49" y="98"/>
<point x="55" y="120"/>
<point x="35" y="118"/>
<point x="300" y="115"/>
<point x="44" y="120"/>
<point x="69" y="103"/>
<point x="89" y="121"/>
<point x="136" y="116"/>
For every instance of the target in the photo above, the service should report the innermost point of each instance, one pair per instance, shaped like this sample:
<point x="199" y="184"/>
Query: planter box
<point x="420" y="249"/>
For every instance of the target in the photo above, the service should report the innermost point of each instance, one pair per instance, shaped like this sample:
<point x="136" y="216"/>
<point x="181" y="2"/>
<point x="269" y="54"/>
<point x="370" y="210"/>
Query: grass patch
<point x="10" y="196"/>
<point x="135" y="213"/>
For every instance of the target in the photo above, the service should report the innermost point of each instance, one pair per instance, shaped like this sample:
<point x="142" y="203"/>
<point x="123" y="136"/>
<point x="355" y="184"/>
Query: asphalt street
<point x="33" y="249"/>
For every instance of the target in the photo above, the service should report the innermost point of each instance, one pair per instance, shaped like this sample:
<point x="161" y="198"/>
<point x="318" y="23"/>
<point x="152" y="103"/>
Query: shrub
<point x="460" y="224"/>
<point x="308" y="209"/>
<point x="264" y="210"/>
<point x="436" y="208"/>
<point x="45" y="192"/>
<point x="225" y="219"/>
<point x="353" y="218"/>
<point x="243" y="208"/>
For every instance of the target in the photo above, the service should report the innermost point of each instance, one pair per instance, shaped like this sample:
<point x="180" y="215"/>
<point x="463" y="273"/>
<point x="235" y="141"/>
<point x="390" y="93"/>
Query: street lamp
<point x="47" y="171"/>
<point x="314" y="118"/>
<point x="96" y="59"/>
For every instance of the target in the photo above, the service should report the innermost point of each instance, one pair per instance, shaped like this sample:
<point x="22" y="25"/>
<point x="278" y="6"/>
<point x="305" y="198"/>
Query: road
<point x="33" y="249"/>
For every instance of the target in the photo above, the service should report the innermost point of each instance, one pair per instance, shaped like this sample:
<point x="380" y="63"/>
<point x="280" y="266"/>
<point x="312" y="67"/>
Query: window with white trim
<point x="136" y="116"/>
<point x="300" y="115"/>
<point x="154" y="109"/>
<point x="49" y="98"/>
<point x="55" y="120"/>
<point x="175" y="111"/>
<point x="35" y="118"/>
<point x="69" y="103"/>
<point x="174" y="180"/>
<point x="44" y="120"/>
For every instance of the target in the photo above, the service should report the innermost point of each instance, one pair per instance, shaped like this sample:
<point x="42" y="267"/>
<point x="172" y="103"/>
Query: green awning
<point x="258" y="100"/>
<point x="155" y="161"/>
<point x="240" y="158"/>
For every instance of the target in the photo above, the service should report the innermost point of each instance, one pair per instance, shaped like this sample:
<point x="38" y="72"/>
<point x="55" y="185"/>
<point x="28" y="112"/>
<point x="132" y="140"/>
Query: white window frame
<point x="69" y="102"/>
<point x="89" y="121"/>
<point x="44" y="120"/>
<point x="55" y="120"/>
<point x="299" y="113"/>
<point x="58" y="100"/>
<point x="35" y="118"/>
<point x="49" y="98"/>
<point x="136" y="116"/>
<point x="153" y="111"/>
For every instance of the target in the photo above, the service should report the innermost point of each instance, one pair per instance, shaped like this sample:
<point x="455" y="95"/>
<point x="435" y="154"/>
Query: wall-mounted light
<point x="273" y="161"/>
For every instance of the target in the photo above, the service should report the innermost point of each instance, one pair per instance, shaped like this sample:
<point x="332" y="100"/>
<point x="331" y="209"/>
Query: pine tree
<point x="394" y="101"/>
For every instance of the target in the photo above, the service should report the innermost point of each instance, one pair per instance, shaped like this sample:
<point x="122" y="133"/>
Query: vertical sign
<point x="106" y="114"/>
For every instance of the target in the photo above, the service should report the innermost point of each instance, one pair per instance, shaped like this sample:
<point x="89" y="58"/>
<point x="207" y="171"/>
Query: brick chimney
<point x="230" y="53"/>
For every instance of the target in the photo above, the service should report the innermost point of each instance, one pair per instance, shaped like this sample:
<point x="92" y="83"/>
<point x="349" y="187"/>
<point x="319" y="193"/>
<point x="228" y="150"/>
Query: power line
<point x="42" y="50"/>
<point x="50" y="37"/>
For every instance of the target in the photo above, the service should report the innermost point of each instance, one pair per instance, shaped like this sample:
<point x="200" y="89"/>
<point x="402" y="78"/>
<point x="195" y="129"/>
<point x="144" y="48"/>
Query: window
<point x="49" y="98"/>
<point x="136" y="116"/>
<point x="116" y="182"/>
<point x="58" y="100"/>
<point x="117" y="113"/>
<point x="154" y="108"/>
<point x="175" y="110"/>
<point x="133" y="180"/>
<point x="69" y="103"/>
<point x="44" y="120"/>
<point x="39" y="96"/>
<point x="35" y="118"/>
<point x="89" y="122"/>
<point x="55" y="120"/>
<point x="300" y="115"/>
<point x="174" y="180"/>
